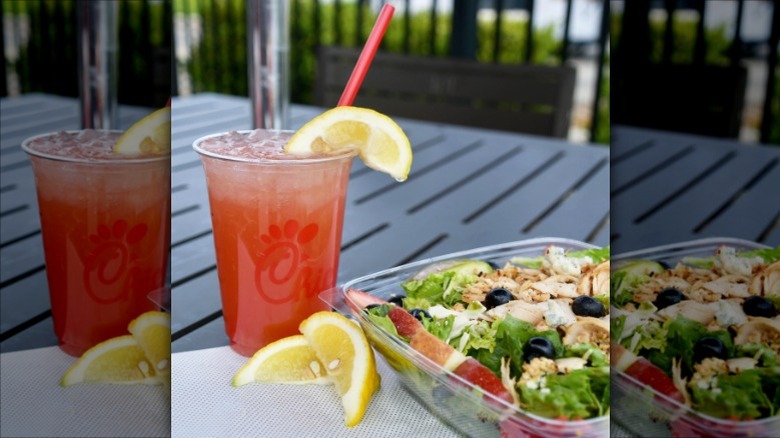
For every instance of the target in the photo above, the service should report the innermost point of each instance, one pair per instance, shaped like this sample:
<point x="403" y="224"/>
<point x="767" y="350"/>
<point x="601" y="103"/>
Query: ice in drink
<point x="105" y="222"/>
<point x="277" y="221"/>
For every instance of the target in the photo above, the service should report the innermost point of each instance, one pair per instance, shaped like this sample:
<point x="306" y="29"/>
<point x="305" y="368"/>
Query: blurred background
<point x="40" y="36"/>
<point x="210" y="44"/>
<point x="713" y="59"/>
<point x="209" y="40"/>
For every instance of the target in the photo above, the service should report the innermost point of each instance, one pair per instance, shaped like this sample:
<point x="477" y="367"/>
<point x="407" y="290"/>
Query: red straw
<point x="366" y="56"/>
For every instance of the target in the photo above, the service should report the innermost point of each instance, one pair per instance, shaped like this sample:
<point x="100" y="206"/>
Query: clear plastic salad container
<point x="457" y="402"/>
<point x="646" y="412"/>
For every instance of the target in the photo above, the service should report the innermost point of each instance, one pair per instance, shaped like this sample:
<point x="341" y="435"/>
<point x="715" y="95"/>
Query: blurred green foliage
<point x="218" y="62"/>
<point x="47" y="59"/>
<point x="717" y="50"/>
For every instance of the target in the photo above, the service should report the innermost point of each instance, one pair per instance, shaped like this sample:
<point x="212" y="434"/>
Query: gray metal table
<point x="25" y="321"/>
<point x="467" y="188"/>
<point x="669" y="187"/>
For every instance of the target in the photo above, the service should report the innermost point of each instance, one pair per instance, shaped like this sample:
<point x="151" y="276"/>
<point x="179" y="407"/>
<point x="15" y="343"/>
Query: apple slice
<point x="406" y="324"/>
<point x="480" y="375"/>
<point x="435" y="349"/>
<point x="644" y="371"/>
<point x="359" y="300"/>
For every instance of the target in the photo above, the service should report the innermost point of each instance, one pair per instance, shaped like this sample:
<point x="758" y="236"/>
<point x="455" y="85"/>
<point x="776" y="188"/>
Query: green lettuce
<point x="682" y="335"/>
<point x="579" y="394"/>
<point x="621" y="288"/>
<point x="416" y="303"/>
<point x="648" y="336"/>
<point x="616" y="326"/>
<point x="479" y="336"/>
<point x="441" y="328"/>
<point x="378" y="315"/>
<point x="770" y="255"/>
<point x="511" y="335"/>
<point x="699" y="262"/>
<point x="514" y="333"/>
<point x="598" y="255"/>
<point x="766" y="358"/>
<point x="739" y="396"/>
<point x="438" y="288"/>
<point x="596" y="357"/>
<point x="529" y="262"/>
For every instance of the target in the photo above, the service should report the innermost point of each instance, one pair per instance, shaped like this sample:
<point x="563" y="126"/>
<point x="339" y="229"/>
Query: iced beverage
<point x="105" y="221"/>
<point x="277" y="222"/>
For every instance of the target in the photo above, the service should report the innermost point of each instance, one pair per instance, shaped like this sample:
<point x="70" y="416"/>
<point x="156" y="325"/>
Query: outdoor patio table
<point x="467" y="188"/>
<point x="670" y="187"/>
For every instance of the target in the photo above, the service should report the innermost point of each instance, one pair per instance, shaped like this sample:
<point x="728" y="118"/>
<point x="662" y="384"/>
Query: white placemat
<point x="33" y="404"/>
<point x="204" y="404"/>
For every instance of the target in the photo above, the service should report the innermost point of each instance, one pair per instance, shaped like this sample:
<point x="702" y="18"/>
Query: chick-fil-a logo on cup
<point x="110" y="269"/>
<point x="279" y="277"/>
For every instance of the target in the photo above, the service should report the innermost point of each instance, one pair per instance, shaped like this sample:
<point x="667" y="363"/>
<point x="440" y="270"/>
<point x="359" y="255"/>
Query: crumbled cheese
<point x="729" y="313"/>
<point x="559" y="313"/>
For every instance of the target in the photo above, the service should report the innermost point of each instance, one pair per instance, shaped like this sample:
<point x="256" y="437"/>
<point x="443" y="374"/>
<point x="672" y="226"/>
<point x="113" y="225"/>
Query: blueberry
<point x="398" y="300"/>
<point x="709" y="346"/>
<point x="538" y="347"/>
<point x="497" y="297"/>
<point x="759" y="306"/>
<point x="584" y="305"/>
<point x="420" y="314"/>
<point x="668" y="297"/>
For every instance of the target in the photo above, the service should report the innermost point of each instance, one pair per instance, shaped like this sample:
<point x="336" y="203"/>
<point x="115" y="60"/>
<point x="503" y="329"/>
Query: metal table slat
<point x="28" y="298"/>
<point x="671" y="187"/>
<point x="730" y="180"/>
<point x="211" y="334"/>
<point x="579" y="205"/>
<point x="743" y="211"/>
<point x="539" y="194"/>
<point x="195" y="301"/>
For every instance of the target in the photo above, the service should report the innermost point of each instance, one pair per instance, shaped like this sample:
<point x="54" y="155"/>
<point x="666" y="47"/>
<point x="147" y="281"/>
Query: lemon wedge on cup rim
<point x="150" y="135"/>
<point x="378" y="140"/>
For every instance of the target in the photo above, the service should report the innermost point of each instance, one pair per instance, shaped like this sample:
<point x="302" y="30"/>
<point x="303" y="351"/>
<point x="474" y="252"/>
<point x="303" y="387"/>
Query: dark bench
<point x="519" y="98"/>
<point x="697" y="99"/>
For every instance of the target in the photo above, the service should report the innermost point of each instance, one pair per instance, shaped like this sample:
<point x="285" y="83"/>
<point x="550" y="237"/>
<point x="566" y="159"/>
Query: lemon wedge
<point x="288" y="360"/>
<point x="150" y="135"/>
<point x="378" y="140"/>
<point x="117" y="360"/>
<point x="349" y="362"/>
<point x="152" y="332"/>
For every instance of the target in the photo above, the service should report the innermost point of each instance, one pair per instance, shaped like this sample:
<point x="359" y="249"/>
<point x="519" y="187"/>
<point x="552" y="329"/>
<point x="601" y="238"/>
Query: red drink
<point x="277" y="222"/>
<point x="105" y="221"/>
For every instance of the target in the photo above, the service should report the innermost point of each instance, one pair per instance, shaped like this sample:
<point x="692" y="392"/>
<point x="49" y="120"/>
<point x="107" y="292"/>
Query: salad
<point x="534" y="332"/>
<point x="710" y="325"/>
